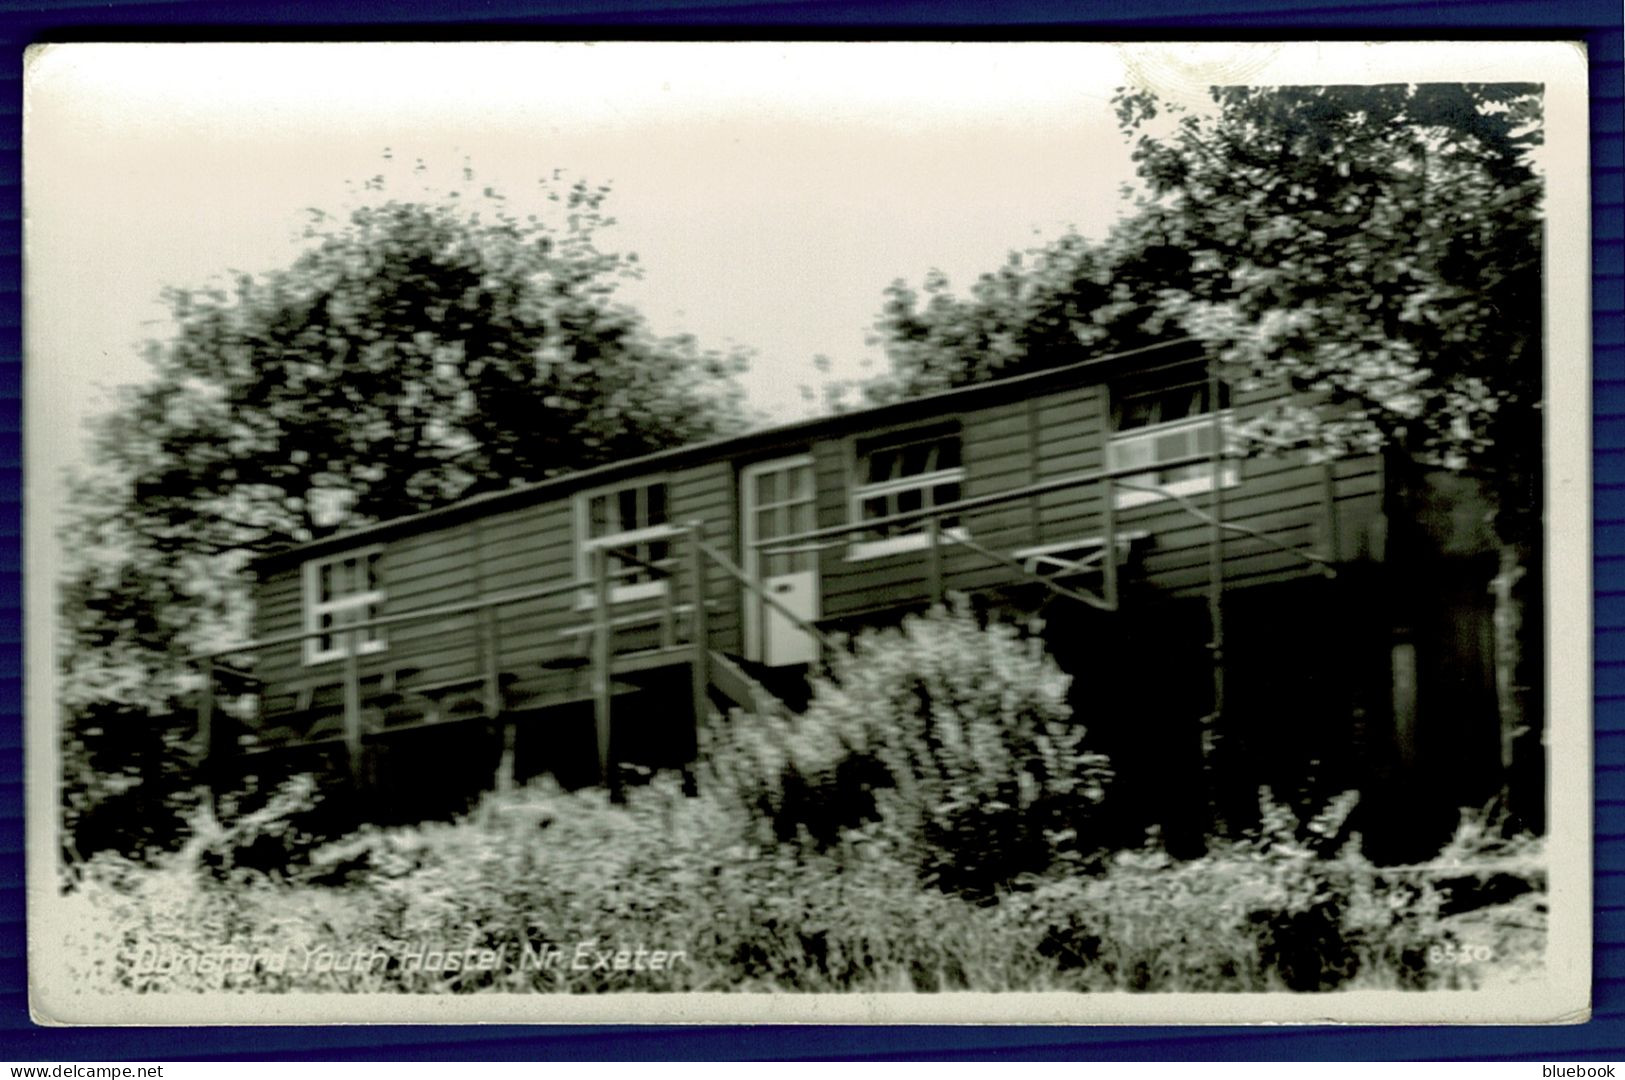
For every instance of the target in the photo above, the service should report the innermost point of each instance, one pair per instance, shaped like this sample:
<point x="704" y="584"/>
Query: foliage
<point x="539" y="872"/>
<point x="957" y="737"/>
<point x="1369" y="257"/>
<point x="418" y="350"/>
<point x="742" y="888"/>
<point x="1377" y="248"/>
<point x="1050" y="305"/>
<point x="1284" y="907"/>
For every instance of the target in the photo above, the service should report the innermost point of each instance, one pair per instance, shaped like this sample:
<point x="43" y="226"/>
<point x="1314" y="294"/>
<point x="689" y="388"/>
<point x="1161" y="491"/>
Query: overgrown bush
<point x="925" y="826"/>
<point x="1291" y="905"/>
<point x="128" y="785"/>
<point x="956" y="736"/>
<point x="542" y="874"/>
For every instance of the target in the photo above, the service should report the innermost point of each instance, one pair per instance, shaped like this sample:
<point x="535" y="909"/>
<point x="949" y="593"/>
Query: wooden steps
<point x="732" y="681"/>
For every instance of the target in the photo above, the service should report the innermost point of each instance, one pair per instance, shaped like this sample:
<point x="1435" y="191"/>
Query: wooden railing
<point x="701" y="555"/>
<point x="485" y="610"/>
<point x="930" y="518"/>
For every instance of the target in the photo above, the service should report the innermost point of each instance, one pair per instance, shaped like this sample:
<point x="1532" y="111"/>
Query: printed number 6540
<point x="1460" y="954"/>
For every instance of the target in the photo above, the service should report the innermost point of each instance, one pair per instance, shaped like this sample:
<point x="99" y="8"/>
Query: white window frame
<point x="373" y="639"/>
<point x="1125" y="498"/>
<point x="586" y="545"/>
<point x="860" y="550"/>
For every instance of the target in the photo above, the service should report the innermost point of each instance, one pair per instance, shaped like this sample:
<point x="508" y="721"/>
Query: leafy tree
<point x="417" y="351"/>
<point x="1047" y="306"/>
<point x="1378" y="250"/>
<point x="1374" y="249"/>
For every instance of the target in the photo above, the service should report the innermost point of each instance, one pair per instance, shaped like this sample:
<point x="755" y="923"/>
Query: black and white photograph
<point x="815" y="531"/>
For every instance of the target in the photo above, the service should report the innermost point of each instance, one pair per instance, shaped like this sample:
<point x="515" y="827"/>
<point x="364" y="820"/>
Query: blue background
<point x="1598" y="22"/>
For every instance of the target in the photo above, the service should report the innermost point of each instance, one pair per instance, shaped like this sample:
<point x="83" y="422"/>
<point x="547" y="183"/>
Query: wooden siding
<point x="1004" y="444"/>
<point x="1063" y="433"/>
<point x="511" y="550"/>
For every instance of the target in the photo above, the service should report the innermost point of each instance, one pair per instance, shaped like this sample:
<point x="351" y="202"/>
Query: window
<point x="1167" y="423"/>
<point x="780" y="501"/>
<point x="902" y="472"/>
<point x="339" y="591"/>
<point x="630" y="521"/>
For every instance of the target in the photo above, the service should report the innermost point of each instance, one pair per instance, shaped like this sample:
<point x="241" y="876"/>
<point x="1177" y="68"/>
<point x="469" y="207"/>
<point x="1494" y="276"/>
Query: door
<point x="777" y="499"/>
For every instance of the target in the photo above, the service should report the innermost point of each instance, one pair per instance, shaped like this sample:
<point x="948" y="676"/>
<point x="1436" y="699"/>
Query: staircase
<point x="739" y="683"/>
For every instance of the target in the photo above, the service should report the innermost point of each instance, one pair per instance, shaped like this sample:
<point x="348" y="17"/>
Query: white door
<point x="777" y="499"/>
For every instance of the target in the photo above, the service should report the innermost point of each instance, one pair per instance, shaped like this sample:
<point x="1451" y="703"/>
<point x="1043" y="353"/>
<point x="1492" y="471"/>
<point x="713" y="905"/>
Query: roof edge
<point x="726" y="446"/>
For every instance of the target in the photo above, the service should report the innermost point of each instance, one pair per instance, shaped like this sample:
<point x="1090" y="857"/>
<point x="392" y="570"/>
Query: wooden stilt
<point x="1213" y="734"/>
<point x="205" y="733"/>
<point x="495" y="707"/>
<point x="601" y="673"/>
<point x="933" y="535"/>
<point x="352" y="704"/>
<point x="700" y="665"/>
<point x="1108" y="510"/>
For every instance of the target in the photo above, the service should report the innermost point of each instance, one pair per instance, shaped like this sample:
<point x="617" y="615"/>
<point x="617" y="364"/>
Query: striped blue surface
<point x="1597" y="21"/>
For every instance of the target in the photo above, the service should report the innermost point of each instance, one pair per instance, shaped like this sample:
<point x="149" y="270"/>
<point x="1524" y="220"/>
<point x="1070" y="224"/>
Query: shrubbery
<point x="969" y="867"/>
<point x="1286" y="906"/>
<point x="956" y="737"/>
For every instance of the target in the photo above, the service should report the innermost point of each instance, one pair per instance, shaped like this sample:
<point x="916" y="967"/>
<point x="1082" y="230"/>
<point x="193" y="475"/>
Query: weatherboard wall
<point x="502" y="552"/>
<point x="1295" y="502"/>
<point x="1004" y="445"/>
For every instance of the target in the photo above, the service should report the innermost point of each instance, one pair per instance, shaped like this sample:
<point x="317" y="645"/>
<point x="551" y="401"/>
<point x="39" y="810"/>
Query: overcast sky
<point x="771" y="191"/>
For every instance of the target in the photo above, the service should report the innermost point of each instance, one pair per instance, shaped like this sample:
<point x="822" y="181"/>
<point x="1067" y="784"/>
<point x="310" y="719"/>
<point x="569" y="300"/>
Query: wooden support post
<point x="205" y="732"/>
<point x="490" y="662"/>
<point x="933" y="536"/>
<point x="1332" y="536"/>
<point x="1402" y="657"/>
<point x="1109" y="566"/>
<point x="759" y="594"/>
<point x="601" y="676"/>
<point x="1212" y="735"/>
<point x="352" y="702"/>
<point x="668" y="612"/>
<point x="700" y="668"/>
<point x="1108" y="585"/>
<point x="1108" y="494"/>
<point x="495" y="707"/>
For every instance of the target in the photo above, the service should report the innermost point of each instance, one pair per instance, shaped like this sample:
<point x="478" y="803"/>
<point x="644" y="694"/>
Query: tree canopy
<point x="1047" y="306"/>
<point x="1376" y="248"/>
<point x="417" y="351"/>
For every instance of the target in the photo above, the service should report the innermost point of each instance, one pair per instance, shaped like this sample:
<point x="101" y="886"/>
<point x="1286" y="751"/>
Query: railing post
<point x="601" y="678"/>
<point x="700" y="669"/>
<point x="1331" y="537"/>
<point x="490" y="662"/>
<point x="205" y="731"/>
<point x="668" y="612"/>
<point x="758" y="559"/>
<point x="933" y="534"/>
<point x="352" y="703"/>
<point x="1109" y="522"/>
